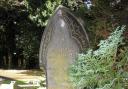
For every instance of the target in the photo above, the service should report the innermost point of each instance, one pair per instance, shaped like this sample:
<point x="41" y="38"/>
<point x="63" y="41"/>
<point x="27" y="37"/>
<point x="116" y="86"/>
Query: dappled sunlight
<point x="28" y="78"/>
<point x="63" y="44"/>
<point x="32" y="72"/>
<point x="21" y="74"/>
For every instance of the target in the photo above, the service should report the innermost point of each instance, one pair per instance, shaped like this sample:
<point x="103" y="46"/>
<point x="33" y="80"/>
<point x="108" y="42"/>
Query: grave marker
<point x="63" y="38"/>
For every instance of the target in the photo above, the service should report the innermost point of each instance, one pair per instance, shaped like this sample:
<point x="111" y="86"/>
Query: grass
<point x="22" y="77"/>
<point x="9" y="81"/>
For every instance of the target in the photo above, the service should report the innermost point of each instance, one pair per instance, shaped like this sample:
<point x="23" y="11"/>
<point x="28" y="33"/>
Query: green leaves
<point x="98" y="69"/>
<point x="40" y="15"/>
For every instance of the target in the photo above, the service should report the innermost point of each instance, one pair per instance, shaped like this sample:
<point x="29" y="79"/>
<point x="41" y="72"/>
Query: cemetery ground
<point x="26" y="79"/>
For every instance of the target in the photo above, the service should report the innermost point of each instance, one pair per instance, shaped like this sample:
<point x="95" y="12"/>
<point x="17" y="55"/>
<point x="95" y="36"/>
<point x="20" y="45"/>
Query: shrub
<point x="100" y="69"/>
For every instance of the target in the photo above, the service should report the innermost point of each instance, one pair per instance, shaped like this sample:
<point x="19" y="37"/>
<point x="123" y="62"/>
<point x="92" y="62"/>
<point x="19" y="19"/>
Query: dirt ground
<point x="22" y="75"/>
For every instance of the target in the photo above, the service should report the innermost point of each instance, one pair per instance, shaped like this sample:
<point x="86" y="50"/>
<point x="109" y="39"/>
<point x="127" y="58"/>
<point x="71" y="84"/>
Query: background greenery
<point x="22" y="23"/>
<point x="104" y="68"/>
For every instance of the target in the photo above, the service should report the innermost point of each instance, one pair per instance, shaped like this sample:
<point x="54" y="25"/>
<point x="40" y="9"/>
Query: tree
<point x="16" y="31"/>
<point x="39" y="14"/>
<point x="102" y="17"/>
<point x="9" y="14"/>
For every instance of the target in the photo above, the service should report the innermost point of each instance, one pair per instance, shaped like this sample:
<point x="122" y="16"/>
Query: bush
<point x="104" y="68"/>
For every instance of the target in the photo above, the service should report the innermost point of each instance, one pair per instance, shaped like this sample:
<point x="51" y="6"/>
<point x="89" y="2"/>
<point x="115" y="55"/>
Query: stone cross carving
<point x="63" y="38"/>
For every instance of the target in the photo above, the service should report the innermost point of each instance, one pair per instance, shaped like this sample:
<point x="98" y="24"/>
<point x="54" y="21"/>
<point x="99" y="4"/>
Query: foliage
<point x="18" y="35"/>
<point x="100" y="69"/>
<point x="11" y="13"/>
<point x="40" y="15"/>
<point x="9" y="4"/>
<point x="16" y="29"/>
<point x="101" y="18"/>
<point x="28" y="40"/>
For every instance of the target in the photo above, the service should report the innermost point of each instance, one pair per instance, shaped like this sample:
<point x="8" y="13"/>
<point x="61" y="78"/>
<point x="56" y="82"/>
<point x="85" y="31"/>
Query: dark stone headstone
<point x="63" y="38"/>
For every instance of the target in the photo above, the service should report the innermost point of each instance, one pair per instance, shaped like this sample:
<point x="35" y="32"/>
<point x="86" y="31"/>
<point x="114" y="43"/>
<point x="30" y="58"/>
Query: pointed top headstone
<point x="63" y="38"/>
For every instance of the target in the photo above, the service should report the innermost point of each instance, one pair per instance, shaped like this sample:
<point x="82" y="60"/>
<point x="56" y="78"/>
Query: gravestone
<point x="63" y="38"/>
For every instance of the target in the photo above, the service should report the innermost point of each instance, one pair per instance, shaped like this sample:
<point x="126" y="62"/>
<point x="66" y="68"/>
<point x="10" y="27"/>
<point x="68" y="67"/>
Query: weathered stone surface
<point x="63" y="39"/>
